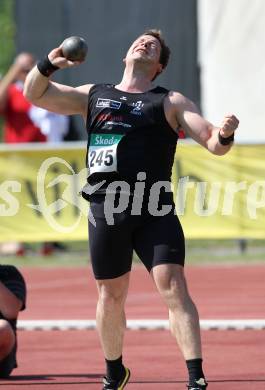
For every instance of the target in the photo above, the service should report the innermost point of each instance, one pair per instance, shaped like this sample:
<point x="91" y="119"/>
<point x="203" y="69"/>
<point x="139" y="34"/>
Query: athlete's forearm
<point x="214" y="145"/>
<point x="221" y="139"/>
<point x="35" y="85"/>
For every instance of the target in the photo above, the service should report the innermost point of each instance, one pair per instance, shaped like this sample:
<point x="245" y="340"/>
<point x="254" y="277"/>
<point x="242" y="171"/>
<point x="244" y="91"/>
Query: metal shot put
<point x="74" y="48"/>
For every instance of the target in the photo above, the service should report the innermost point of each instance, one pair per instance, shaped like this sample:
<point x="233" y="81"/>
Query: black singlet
<point x="136" y="125"/>
<point x="128" y="134"/>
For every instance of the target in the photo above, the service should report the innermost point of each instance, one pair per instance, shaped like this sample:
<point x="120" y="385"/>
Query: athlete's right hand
<point x="56" y="57"/>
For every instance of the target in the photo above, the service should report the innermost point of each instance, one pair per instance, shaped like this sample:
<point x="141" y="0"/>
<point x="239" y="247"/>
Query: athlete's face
<point x="146" y="48"/>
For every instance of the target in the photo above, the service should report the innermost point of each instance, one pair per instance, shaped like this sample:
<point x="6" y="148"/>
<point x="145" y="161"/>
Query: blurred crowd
<point x="24" y="122"/>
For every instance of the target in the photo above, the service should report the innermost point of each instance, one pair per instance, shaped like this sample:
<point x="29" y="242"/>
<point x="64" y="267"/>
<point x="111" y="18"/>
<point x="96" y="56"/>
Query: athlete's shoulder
<point x="176" y="96"/>
<point x="160" y="90"/>
<point x="180" y="101"/>
<point x="102" y="86"/>
<point x="99" y="88"/>
<point x="173" y="96"/>
<point x="84" y="89"/>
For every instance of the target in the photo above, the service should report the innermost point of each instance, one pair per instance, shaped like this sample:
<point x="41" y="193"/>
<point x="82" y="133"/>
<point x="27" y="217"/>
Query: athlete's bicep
<point x="197" y="127"/>
<point x="191" y="121"/>
<point x="64" y="99"/>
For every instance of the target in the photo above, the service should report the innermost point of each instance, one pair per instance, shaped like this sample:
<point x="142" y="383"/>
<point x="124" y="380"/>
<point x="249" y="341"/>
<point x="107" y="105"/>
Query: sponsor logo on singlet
<point x="108" y="103"/>
<point x="109" y="117"/>
<point x="111" y="121"/>
<point x="137" y="107"/>
<point x="109" y="125"/>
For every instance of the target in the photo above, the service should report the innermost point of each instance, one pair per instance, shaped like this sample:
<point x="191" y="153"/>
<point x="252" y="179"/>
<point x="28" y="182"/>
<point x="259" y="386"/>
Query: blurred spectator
<point x="53" y="126"/>
<point x="14" y="107"/>
<point x="12" y="300"/>
<point x="24" y="122"/>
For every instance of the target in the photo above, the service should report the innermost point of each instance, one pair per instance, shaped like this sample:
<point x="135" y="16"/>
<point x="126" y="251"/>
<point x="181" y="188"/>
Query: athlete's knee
<point x="171" y="284"/>
<point x="176" y="295"/>
<point x="113" y="293"/>
<point x="111" y="301"/>
<point x="7" y="338"/>
<point x="110" y="297"/>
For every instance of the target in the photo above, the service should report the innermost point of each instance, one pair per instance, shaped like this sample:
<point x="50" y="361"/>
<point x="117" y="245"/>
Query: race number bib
<point x="102" y="156"/>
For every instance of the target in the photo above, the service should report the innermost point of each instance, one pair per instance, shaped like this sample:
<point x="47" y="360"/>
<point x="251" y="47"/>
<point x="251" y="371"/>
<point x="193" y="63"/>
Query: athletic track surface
<point x="72" y="359"/>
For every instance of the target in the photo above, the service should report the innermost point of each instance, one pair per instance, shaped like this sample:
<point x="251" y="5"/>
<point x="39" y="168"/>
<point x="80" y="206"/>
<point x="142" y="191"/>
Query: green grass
<point x="75" y="254"/>
<point x="197" y="252"/>
<point x="225" y="251"/>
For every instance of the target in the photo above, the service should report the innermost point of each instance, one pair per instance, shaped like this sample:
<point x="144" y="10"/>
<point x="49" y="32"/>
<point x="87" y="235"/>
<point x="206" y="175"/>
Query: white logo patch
<point x="108" y="103"/>
<point x="137" y="107"/>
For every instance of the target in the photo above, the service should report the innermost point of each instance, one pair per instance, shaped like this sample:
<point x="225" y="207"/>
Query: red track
<point x="73" y="359"/>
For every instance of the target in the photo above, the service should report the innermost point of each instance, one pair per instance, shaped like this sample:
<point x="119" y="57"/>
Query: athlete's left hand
<point x="229" y="125"/>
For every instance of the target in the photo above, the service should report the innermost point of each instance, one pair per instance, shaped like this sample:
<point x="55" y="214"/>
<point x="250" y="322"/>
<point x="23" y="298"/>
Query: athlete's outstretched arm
<point x="202" y="131"/>
<point x="63" y="99"/>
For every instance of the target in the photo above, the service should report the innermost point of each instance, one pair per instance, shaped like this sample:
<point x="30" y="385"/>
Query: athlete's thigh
<point x="160" y="241"/>
<point x="110" y="245"/>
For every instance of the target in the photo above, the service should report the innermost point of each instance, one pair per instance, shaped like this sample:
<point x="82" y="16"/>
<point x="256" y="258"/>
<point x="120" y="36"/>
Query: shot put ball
<point x="74" y="48"/>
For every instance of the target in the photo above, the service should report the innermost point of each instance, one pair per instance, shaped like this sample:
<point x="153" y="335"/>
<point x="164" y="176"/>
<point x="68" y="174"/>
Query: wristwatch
<point x="226" y="140"/>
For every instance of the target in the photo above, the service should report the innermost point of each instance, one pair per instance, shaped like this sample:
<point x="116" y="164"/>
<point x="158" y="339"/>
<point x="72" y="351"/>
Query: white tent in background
<point x="232" y="60"/>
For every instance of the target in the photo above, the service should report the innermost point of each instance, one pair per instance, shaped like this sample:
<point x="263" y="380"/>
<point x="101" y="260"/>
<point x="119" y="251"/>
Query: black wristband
<point x="226" y="140"/>
<point x="46" y="68"/>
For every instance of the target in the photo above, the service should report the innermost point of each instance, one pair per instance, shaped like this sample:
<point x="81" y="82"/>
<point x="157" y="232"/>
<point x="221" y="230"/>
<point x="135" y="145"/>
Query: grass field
<point x="197" y="252"/>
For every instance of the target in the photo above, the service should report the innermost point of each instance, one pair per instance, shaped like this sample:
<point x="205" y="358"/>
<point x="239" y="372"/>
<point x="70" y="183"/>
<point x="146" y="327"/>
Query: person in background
<point x="12" y="300"/>
<point x="18" y="127"/>
<point x="24" y="122"/>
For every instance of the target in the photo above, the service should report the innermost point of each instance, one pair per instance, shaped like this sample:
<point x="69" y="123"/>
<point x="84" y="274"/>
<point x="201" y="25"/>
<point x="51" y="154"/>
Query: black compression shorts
<point x="155" y="239"/>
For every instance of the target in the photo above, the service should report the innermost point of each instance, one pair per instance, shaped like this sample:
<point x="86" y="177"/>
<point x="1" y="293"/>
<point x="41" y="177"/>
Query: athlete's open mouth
<point x="143" y="50"/>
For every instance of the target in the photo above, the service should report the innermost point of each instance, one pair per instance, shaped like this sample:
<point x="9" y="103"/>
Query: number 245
<point x="103" y="157"/>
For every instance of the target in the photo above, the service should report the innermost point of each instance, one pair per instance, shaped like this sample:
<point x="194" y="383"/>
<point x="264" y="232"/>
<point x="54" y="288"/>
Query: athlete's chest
<point x="121" y="113"/>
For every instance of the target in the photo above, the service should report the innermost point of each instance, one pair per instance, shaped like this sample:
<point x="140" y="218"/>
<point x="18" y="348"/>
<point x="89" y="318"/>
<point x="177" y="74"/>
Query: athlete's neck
<point x="135" y="80"/>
